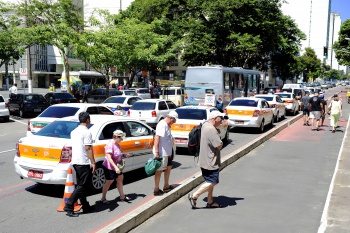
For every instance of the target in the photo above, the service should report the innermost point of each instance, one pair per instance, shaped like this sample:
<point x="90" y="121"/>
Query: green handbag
<point x="152" y="166"/>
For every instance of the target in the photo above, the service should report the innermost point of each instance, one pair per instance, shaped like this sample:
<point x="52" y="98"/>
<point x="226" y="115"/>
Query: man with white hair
<point x="209" y="159"/>
<point x="163" y="147"/>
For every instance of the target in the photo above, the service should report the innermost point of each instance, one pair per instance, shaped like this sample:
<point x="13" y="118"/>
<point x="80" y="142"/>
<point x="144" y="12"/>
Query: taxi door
<point x="105" y="136"/>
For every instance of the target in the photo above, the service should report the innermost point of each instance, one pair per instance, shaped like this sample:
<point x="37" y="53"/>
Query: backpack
<point x="194" y="140"/>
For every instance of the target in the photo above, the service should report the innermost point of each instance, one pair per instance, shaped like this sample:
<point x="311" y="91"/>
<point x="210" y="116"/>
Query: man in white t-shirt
<point x="82" y="157"/>
<point x="13" y="89"/>
<point x="163" y="147"/>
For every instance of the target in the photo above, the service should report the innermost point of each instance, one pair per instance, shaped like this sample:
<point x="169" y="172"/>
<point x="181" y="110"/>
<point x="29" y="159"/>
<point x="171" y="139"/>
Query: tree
<point x="342" y="46"/>
<point x="125" y="44"/>
<point x="53" y="22"/>
<point x="228" y="32"/>
<point x="310" y="65"/>
<point x="11" y="40"/>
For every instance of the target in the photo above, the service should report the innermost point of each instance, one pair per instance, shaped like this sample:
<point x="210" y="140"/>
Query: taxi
<point x="276" y="103"/>
<point x="57" y="111"/>
<point x="191" y="116"/>
<point x="290" y="101"/>
<point x="250" y="112"/>
<point x="120" y="105"/>
<point x="46" y="156"/>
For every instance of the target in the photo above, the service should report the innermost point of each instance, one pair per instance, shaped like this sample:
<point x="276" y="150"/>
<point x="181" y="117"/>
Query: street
<point x="281" y="186"/>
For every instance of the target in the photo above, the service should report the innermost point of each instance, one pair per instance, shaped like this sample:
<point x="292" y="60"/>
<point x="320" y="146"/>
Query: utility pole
<point x="29" y="61"/>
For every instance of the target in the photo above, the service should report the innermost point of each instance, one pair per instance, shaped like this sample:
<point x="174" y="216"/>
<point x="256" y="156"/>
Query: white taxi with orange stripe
<point x="191" y="116"/>
<point x="45" y="156"/>
<point x="276" y="103"/>
<point x="290" y="101"/>
<point x="250" y="112"/>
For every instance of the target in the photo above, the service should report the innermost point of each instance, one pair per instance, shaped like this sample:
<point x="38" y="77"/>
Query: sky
<point x="342" y="7"/>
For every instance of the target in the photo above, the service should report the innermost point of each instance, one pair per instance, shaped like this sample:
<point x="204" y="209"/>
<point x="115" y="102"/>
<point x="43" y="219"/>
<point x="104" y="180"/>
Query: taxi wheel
<point x="98" y="179"/>
<point x="262" y="126"/>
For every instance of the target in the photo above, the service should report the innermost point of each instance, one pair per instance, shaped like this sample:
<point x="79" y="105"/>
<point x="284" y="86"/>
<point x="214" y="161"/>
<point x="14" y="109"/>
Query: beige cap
<point x="119" y="133"/>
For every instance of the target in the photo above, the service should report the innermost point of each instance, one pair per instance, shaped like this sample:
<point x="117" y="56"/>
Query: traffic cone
<point x="68" y="190"/>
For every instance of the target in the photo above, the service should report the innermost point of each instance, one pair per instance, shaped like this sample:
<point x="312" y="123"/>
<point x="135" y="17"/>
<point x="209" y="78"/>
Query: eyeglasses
<point x="221" y="117"/>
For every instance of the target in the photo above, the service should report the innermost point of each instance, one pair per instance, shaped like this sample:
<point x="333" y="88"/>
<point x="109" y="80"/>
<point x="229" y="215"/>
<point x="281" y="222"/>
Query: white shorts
<point x="315" y="114"/>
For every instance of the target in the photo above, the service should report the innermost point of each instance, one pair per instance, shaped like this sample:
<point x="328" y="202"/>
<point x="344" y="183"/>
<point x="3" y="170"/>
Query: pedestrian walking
<point x="13" y="90"/>
<point x="83" y="95"/>
<point x="82" y="159"/>
<point x="209" y="159"/>
<point x="163" y="147"/>
<point x="335" y="112"/>
<point x="315" y="108"/>
<point x="113" y="156"/>
<point x="305" y="108"/>
<point x="324" y="108"/>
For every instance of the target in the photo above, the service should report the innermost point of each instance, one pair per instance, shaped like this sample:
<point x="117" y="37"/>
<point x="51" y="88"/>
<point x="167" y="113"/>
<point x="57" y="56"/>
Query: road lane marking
<point x="6" y="151"/>
<point x="324" y="223"/>
<point x="18" y="121"/>
<point x="15" y="186"/>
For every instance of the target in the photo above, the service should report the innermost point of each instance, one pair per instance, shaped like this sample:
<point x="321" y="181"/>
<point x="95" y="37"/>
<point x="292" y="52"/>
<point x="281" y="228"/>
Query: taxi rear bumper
<point x="55" y="173"/>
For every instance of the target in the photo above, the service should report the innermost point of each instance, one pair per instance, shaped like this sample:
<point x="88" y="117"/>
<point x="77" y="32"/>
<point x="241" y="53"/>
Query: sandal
<point x="104" y="201"/>
<point x="158" y="193"/>
<point x="214" y="205"/>
<point x="193" y="201"/>
<point x="168" y="189"/>
<point x="126" y="199"/>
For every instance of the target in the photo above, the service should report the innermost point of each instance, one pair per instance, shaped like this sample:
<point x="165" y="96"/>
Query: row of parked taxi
<point x="44" y="155"/>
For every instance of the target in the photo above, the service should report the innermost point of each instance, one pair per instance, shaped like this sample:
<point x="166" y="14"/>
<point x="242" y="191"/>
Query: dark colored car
<point x="25" y="104"/>
<point x="98" y="95"/>
<point x="58" y="98"/>
<point x="272" y="90"/>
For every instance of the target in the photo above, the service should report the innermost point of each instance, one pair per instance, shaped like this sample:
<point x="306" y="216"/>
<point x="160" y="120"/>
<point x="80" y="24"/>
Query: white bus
<point x="226" y="83"/>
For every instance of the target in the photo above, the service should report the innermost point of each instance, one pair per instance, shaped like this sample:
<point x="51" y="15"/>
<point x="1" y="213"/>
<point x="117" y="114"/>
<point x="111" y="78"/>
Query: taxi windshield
<point x="59" y="129"/>
<point x="191" y="114"/>
<point x="244" y="102"/>
<point x="115" y="100"/>
<point x="59" y="112"/>
<point x="268" y="98"/>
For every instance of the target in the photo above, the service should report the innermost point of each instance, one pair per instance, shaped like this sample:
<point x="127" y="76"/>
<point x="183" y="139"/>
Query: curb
<point x="156" y="204"/>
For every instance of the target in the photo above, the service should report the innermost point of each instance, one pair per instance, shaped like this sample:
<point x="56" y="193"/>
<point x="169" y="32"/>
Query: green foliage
<point x="310" y="65"/>
<point x="342" y="46"/>
<point x="245" y="33"/>
<point x="11" y="40"/>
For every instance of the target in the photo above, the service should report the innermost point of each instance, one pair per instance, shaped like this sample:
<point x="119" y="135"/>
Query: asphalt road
<point x="28" y="207"/>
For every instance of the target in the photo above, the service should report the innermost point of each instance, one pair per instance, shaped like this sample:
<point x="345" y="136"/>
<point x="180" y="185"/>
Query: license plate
<point x="239" y="122"/>
<point x="181" y="140"/>
<point x="35" y="174"/>
<point x="37" y="110"/>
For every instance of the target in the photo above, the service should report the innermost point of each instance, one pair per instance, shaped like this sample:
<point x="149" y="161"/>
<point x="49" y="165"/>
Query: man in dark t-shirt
<point x="305" y="107"/>
<point x="315" y="107"/>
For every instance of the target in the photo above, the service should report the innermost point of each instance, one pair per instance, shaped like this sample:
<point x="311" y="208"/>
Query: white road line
<point x="18" y="121"/>
<point x="324" y="222"/>
<point x="6" y="151"/>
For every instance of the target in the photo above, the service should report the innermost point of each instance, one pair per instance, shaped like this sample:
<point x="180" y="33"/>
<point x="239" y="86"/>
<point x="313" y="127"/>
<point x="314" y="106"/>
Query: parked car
<point x="57" y="111"/>
<point x="60" y="97"/>
<point x="25" y="104"/>
<point x="4" y="112"/>
<point x="128" y="93"/>
<point x="142" y="92"/>
<point x="45" y="157"/>
<point x="250" y="112"/>
<point x="151" y="110"/>
<point x="191" y="116"/>
<point x="175" y="94"/>
<point x="277" y="105"/>
<point x="291" y="103"/>
<point x="98" y="95"/>
<point x="271" y="90"/>
<point x="120" y="104"/>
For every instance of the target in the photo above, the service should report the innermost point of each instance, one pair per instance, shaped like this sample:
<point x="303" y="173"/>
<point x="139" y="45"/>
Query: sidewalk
<point x="284" y="185"/>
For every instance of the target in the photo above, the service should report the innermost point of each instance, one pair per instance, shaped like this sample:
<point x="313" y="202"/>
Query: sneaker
<point x="72" y="214"/>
